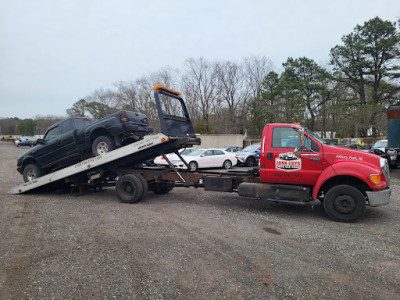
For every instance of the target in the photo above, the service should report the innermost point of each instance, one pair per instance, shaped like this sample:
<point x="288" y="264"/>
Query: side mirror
<point x="40" y="141"/>
<point x="301" y="139"/>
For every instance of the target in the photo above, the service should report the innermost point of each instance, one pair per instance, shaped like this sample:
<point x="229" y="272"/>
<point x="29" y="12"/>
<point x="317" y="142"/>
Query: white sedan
<point x="160" y="160"/>
<point x="208" y="158"/>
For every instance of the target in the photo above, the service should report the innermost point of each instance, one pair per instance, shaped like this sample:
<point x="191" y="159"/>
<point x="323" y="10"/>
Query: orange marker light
<point x="161" y="87"/>
<point x="375" y="178"/>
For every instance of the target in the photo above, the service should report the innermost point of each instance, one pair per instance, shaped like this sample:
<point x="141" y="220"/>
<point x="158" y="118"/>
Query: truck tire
<point x="162" y="187"/>
<point x="227" y="164"/>
<point x="144" y="184"/>
<point x="250" y="161"/>
<point x="193" y="166"/>
<point x="31" y="172"/>
<point x="102" y="144"/>
<point x="129" y="188"/>
<point x="344" y="203"/>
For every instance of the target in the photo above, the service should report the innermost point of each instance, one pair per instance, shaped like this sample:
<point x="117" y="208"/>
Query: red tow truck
<point x="296" y="166"/>
<point x="343" y="180"/>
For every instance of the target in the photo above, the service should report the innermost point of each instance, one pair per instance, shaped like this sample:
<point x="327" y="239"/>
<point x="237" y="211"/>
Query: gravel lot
<point x="189" y="244"/>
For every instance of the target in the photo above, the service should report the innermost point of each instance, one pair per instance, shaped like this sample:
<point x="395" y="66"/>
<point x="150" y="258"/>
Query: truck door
<point x="280" y="165"/>
<point x="47" y="155"/>
<point x="67" y="140"/>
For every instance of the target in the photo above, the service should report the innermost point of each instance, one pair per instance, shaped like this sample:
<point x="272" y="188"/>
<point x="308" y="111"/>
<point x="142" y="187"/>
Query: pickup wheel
<point x="102" y="144"/>
<point x="250" y="161"/>
<point x="227" y="164"/>
<point x="344" y="203"/>
<point x="193" y="166"/>
<point x="129" y="188"/>
<point x="31" y="172"/>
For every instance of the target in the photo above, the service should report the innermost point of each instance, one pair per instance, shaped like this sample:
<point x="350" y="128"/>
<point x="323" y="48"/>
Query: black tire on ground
<point x="162" y="187"/>
<point x="250" y="161"/>
<point x="193" y="166"/>
<point x="344" y="203"/>
<point x="129" y="188"/>
<point x="144" y="184"/>
<point x="227" y="164"/>
<point x="102" y="144"/>
<point x="31" y="172"/>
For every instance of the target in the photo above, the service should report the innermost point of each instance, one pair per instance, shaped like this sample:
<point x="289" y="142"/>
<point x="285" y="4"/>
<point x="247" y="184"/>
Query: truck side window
<point x="66" y="126"/>
<point x="284" y="137"/>
<point x="81" y="122"/>
<point x="53" y="133"/>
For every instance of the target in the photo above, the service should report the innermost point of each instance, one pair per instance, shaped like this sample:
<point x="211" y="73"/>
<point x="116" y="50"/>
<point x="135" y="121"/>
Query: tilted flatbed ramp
<point x="134" y="153"/>
<point x="176" y="132"/>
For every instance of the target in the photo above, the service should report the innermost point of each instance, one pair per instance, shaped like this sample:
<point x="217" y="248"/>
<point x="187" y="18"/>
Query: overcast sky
<point x="55" y="52"/>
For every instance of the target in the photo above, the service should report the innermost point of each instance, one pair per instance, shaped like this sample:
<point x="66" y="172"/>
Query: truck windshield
<point x="315" y="136"/>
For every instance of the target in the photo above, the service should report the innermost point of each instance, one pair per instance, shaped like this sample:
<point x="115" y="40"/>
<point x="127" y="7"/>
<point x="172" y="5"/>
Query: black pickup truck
<point x="76" y="138"/>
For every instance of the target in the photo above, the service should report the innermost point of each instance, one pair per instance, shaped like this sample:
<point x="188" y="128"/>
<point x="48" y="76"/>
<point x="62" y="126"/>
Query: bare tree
<point x="199" y="85"/>
<point x="232" y="91"/>
<point x="126" y="95"/>
<point x="256" y="68"/>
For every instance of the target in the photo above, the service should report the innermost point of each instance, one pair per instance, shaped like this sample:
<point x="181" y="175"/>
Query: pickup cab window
<point x="67" y="126"/>
<point x="81" y="122"/>
<point x="53" y="134"/>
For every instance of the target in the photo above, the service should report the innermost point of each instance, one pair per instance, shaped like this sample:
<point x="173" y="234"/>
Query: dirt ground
<point x="189" y="244"/>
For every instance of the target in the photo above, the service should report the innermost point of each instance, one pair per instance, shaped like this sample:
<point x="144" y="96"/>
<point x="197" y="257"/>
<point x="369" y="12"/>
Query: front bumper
<point x="379" y="198"/>
<point x="241" y="160"/>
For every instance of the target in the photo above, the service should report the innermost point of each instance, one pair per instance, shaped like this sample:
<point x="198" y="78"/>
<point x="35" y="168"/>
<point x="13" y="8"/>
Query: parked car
<point x="160" y="160"/>
<point x="207" y="158"/>
<point x="232" y="149"/>
<point x="390" y="154"/>
<point x="379" y="145"/>
<point x="250" y="155"/>
<point x="26" y="141"/>
<point x="9" y="138"/>
<point x="76" y="138"/>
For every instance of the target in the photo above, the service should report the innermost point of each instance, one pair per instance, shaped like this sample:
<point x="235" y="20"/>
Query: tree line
<point x="347" y="96"/>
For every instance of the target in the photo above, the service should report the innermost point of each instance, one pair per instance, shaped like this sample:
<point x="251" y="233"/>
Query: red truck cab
<point x="298" y="166"/>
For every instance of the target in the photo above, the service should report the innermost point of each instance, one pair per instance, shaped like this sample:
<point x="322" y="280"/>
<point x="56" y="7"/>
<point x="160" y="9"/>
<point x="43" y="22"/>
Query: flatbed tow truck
<point x="343" y="180"/>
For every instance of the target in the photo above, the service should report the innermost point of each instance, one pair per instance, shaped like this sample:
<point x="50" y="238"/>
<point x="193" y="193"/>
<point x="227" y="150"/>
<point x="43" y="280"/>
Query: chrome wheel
<point x="102" y="147"/>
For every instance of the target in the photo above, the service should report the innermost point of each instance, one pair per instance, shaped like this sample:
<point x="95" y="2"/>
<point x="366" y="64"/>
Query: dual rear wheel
<point x="131" y="188"/>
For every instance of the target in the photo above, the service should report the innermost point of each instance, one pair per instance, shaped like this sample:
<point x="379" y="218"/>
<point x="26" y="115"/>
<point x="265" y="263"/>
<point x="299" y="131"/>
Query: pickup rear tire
<point x="344" y="203"/>
<point x="102" y="144"/>
<point x="250" y="161"/>
<point x="129" y="188"/>
<point x="31" y="172"/>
